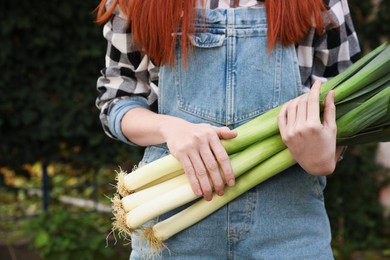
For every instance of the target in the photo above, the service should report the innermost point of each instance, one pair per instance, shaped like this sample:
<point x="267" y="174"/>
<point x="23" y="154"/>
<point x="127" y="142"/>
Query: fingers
<point x="212" y="173"/>
<point x="313" y="103"/>
<point x="292" y="117"/>
<point x="198" y="175"/>
<point x="330" y="111"/>
<point x="301" y="111"/>
<point x="205" y="160"/>
<point x="190" y="172"/>
<point x="282" y="120"/>
<point x="311" y="142"/>
<point x="217" y="165"/>
<point x="203" y="174"/>
<point x="225" y="132"/>
<point x="221" y="155"/>
<point x="223" y="162"/>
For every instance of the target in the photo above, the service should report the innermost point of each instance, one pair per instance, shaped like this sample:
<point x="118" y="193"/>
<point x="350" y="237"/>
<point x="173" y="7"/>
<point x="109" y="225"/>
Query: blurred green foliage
<point x="372" y="22"/>
<point x="62" y="234"/>
<point x="51" y="54"/>
<point x="357" y="218"/>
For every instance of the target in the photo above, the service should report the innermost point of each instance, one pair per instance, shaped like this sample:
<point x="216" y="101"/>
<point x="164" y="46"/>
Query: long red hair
<point x="153" y="23"/>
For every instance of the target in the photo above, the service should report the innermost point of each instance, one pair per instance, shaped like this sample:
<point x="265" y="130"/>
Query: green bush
<point x="356" y="215"/>
<point x="51" y="55"/>
<point x="372" y="22"/>
<point x="64" y="235"/>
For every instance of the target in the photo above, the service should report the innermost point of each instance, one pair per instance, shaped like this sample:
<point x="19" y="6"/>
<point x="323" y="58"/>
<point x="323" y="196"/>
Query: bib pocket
<point x="200" y="86"/>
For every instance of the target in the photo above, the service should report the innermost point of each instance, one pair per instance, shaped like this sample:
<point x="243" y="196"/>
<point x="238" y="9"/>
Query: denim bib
<point x="232" y="77"/>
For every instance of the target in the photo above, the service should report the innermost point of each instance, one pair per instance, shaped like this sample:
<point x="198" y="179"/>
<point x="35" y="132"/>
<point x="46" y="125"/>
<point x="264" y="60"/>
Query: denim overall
<point x="231" y="77"/>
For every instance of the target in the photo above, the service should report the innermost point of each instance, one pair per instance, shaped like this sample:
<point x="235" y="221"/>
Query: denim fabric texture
<point x="230" y="78"/>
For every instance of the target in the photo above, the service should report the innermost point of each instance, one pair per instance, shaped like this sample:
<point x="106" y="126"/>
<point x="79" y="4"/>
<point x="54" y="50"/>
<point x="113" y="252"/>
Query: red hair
<point x="153" y="23"/>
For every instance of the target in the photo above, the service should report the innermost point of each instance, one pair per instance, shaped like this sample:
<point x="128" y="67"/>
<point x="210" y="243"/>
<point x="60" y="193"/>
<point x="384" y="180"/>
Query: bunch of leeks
<point x="362" y="98"/>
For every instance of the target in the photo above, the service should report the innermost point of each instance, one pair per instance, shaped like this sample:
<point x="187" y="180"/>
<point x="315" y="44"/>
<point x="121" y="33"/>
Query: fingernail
<point x="231" y="182"/>
<point x="198" y="192"/>
<point x="220" y="193"/>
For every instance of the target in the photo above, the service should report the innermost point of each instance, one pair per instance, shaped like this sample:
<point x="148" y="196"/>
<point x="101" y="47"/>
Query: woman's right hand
<point x="201" y="153"/>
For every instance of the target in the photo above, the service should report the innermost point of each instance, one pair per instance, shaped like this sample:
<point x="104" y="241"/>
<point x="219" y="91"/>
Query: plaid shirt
<point x="131" y="74"/>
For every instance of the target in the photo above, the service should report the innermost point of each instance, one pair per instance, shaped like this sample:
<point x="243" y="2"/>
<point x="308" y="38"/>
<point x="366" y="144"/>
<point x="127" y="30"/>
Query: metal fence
<point x="43" y="198"/>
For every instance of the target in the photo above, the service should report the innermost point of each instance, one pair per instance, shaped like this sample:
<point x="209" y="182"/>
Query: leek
<point x="275" y="164"/>
<point x="371" y="68"/>
<point x="199" y="210"/>
<point x="257" y="153"/>
<point x="149" y="207"/>
<point x="137" y="198"/>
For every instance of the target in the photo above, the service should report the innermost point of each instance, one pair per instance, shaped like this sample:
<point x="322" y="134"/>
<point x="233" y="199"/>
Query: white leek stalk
<point x="151" y="207"/>
<point x="137" y="198"/>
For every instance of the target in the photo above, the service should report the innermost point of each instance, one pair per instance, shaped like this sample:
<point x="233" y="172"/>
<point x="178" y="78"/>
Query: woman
<point x="181" y="74"/>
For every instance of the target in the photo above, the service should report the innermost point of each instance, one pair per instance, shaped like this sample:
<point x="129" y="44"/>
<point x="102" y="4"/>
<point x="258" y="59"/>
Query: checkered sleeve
<point x="128" y="80"/>
<point x="322" y="57"/>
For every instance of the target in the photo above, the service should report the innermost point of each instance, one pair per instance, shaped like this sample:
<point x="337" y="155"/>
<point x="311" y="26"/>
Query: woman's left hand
<point x="311" y="142"/>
